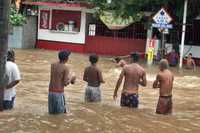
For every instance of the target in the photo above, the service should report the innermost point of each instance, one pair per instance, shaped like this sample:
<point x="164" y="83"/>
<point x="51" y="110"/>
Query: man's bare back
<point x="133" y="74"/>
<point x="93" y="76"/>
<point x="164" y="81"/>
<point x="59" y="76"/>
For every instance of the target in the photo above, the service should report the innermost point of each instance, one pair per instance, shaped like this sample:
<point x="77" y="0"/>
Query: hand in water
<point x="73" y="79"/>
<point x="115" y="96"/>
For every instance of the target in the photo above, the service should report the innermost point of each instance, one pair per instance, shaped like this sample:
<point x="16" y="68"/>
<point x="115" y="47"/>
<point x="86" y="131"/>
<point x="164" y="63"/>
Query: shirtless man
<point x="134" y="76"/>
<point x="164" y="81"/>
<point x="190" y="62"/>
<point x="93" y="77"/>
<point x="60" y="78"/>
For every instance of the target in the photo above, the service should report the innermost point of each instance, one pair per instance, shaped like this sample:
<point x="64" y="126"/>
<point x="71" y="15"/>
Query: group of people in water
<point x="173" y="58"/>
<point x="132" y="74"/>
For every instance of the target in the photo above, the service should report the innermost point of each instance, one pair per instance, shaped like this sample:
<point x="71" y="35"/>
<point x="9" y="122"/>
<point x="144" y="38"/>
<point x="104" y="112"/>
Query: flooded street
<point x="30" y="113"/>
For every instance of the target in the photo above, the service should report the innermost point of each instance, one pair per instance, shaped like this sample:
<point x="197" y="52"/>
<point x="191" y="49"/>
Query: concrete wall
<point x="77" y="38"/>
<point x="15" y="37"/>
<point x="23" y="36"/>
<point x="30" y="32"/>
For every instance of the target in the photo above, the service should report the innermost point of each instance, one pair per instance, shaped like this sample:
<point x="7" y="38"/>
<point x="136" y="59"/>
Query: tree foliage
<point x="127" y="8"/>
<point x="16" y="18"/>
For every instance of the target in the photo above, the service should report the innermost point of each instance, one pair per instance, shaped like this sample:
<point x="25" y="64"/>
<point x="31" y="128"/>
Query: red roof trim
<point x="56" y="4"/>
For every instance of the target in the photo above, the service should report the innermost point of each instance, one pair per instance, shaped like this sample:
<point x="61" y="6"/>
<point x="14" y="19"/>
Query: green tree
<point x="127" y="8"/>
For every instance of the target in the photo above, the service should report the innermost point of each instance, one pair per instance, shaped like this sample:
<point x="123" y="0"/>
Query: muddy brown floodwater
<point x="30" y="113"/>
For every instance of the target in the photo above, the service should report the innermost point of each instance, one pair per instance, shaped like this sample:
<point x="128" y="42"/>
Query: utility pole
<point x="183" y="33"/>
<point x="4" y="22"/>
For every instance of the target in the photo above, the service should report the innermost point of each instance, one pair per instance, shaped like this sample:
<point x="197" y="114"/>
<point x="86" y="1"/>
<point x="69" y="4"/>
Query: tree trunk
<point x="4" y="22"/>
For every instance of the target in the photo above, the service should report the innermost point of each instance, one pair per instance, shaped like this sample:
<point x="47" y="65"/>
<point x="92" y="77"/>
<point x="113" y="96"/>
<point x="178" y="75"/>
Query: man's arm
<point x="100" y="77"/>
<point x="12" y="84"/>
<point x="143" y="80"/>
<point x="194" y="64"/>
<point x="85" y="75"/>
<point x="66" y="77"/>
<point x="156" y="83"/>
<point x="118" y="84"/>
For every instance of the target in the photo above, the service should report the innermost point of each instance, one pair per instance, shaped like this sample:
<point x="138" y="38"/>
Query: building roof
<point x="54" y="4"/>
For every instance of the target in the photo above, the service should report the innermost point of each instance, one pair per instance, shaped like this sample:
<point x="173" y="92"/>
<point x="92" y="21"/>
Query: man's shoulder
<point x="137" y="66"/>
<point x="11" y="64"/>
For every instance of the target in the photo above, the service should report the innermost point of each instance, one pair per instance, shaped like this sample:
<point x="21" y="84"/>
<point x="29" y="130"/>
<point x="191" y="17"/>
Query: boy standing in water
<point x="93" y="77"/>
<point x="164" y="81"/>
<point x="58" y="80"/>
<point x="190" y="62"/>
<point x="134" y="76"/>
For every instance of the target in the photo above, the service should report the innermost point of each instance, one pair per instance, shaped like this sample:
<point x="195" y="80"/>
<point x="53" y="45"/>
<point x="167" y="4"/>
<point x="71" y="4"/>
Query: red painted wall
<point x="114" y="46"/>
<point x="51" y="45"/>
<point x="99" y="45"/>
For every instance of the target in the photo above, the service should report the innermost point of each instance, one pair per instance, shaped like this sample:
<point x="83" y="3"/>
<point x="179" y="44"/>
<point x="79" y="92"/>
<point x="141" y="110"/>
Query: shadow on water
<point x="30" y="113"/>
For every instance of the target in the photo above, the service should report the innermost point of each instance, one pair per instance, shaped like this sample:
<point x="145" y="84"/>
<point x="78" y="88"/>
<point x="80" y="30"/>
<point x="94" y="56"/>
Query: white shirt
<point x="13" y="74"/>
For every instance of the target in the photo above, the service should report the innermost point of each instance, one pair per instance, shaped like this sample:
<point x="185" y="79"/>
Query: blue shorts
<point x="7" y="105"/>
<point x="129" y="100"/>
<point x="92" y="94"/>
<point x="56" y="103"/>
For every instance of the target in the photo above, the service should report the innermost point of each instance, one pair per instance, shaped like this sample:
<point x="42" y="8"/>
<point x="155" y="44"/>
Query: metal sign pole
<point x="162" y="44"/>
<point x="183" y="33"/>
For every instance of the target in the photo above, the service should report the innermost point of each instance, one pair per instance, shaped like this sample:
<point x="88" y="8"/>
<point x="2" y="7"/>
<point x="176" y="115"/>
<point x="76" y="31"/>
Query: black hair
<point x="117" y="59"/>
<point x="63" y="55"/>
<point x="93" y="58"/>
<point x="190" y="54"/>
<point x="135" y="57"/>
<point x="10" y="55"/>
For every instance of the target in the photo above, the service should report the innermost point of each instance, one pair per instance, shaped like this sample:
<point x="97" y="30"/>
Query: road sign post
<point x="162" y="21"/>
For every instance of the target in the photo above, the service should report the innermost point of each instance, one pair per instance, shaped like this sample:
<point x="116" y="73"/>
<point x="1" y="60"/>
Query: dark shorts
<point x="129" y="100"/>
<point x="164" y="105"/>
<point x="56" y="103"/>
<point x="7" y="105"/>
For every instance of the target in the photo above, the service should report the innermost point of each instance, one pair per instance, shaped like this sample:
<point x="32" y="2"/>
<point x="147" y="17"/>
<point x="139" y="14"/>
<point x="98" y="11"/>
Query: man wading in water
<point x="13" y="73"/>
<point x="164" y="81"/>
<point x="93" y="77"/>
<point x="59" y="79"/>
<point x="134" y="75"/>
<point x="190" y="62"/>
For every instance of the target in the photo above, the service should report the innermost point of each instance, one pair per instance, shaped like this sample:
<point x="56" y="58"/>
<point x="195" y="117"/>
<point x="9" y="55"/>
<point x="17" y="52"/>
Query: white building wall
<point x="195" y="50"/>
<point x="48" y="35"/>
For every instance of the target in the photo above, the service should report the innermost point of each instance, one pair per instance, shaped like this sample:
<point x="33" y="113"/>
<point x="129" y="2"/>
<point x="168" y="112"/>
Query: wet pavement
<point x="30" y="113"/>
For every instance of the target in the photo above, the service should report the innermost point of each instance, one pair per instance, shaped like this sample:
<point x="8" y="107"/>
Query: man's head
<point x="11" y="55"/>
<point x="93" y="59"/>
<point x="117" y="59"/>
<point x="135" y="57"/>
<point x="190" y="55"/>
<point x="163" y="64"/>
<point x="63" y="56"/>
